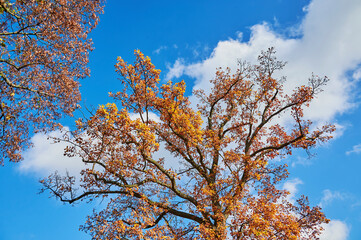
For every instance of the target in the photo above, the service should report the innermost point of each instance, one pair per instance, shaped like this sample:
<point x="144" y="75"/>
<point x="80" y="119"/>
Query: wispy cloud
<point x="355" y="149"/>
<point x="301" y="161"/>
<point x="161" y="48"/>
<point x="357" y="74"/>
<point x="329" y="196"/>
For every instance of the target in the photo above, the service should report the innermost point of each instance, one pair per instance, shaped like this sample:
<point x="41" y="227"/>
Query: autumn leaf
<point x="223" y="183"/>
<point x="43" y="55"/>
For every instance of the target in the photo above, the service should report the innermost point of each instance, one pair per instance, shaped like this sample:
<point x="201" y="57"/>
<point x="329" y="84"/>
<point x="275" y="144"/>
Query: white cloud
<point x="335" y="230"/>
<point x="46" y="157"/>
<point x="329" y="45"/>
<point x="329" y="196"/>
<point x="151" y="116"/>
<point x="301" y="161"/>
<point x="355" y="149"/>
<point x="340" y="129"/>
<point x="291" y="187"/>
<point x="161" y="48"/>
<point x="357" y="74"/>
<point x="176" y="70"/>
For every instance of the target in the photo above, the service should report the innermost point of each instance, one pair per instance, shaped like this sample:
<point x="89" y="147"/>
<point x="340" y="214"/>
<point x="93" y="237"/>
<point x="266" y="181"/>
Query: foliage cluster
<point x="221" y="181"/>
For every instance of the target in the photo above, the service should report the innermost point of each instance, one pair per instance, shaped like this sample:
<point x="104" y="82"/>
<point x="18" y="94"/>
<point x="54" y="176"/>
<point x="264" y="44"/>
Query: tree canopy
<point x="43" y="53"/>
<point x="221" y="176"/>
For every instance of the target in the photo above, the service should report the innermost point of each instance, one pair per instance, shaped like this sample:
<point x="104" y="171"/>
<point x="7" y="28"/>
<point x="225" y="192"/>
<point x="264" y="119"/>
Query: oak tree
<point x="222" y="177"/>
<point x="43" y="53"/>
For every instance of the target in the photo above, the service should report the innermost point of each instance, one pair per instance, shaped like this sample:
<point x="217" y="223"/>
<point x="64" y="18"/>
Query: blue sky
<point x="188" y="40"/>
